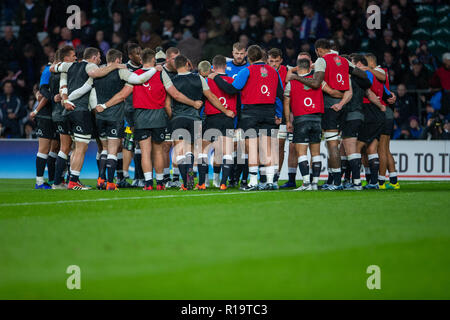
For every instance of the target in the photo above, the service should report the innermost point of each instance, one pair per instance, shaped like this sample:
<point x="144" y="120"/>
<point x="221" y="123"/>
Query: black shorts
<point x="45" y="128"/>
<point x="63" y="127"/>
<point x="129" y="116"/>
<point x="307" y="132"/>
<point x="333" y="120"/>
<point x="351" y="128"/>
<point x="388" y="127"/>
<point x="181" y="123"/>
<point x="257" y="119"/>
<point x="110" y="129"/>
<point x="370" y="131"/>
<point x="81" y="125"/>
<point x="156" y="134"/>
<point x="219" y="122"/>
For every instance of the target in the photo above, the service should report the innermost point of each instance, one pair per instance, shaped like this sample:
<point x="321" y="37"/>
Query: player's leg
<point x="334" y="158"/>
<point x="383" y="158"/>
<point x="303" y="165"/>
<point x="316" y="160"/>
<point x="65" y="141"/>
<point x="41" y="162"/>
<point x="374" y="164"/>
<point x="292" y="166"/>
<point x="227" y="159"/>
<point x="202" y="163"/>
<point x="51" y="160"/>
<point x="393" y="180"/>
<point x="145" y="142"/>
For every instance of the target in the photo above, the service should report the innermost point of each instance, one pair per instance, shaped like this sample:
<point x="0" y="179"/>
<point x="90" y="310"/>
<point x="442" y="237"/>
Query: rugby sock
<point x="138" y="173"/>
<point x="233" y="168"/>
<point x="61" y="163"/>
<point x="316" y="168"/>
<point x="111" y="165"/>
<point x="393" y="177"/>
<point x="148" y="177"/>
<point x="97" y="157"/>
<point x="181" y="168"/>
<point x="368" y="174"/>
<point x="239" y="168"/>
<point x="354" y="161"/>
<point x="51" y="164"/>
<point x="337" y="176"/>
<point x="202" y="168"/>
<point x="74" y="176"/>
<point x="176" y="173"/>
<point x="166" y="174"/>
<point x="374" y="165"/>
<point x="292" y="172"/>
<point x="262" y="174"/>
<point x="245" y="171"/>
<point x="119" y="168"/>
<point x="381" y="180"/>
<point x="126" y="174"/>
<point x="304" y="168"/>
<point x="276" y="175"/>
<point x="253" y="174"/>
<point x="330" y="177"/>
<point x="160" y="179"/>
<point x="270" y="174"/>
<point x="102" y="169"/>
<point x="41" y="161"/>
<point x="345" y="167"/>
<point x="226" y="168"/>
<point x="217" y="172"/>
<point x="189" y="163"/>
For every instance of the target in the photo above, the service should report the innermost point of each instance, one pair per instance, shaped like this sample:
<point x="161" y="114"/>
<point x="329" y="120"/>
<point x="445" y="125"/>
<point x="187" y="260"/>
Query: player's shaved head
<point x="303" y="64"/>
<point x="204" y="67"/>
<point x="90" y="52"/>
<point x="322" y="44"/>
<point x="275" y="53"/>
<point x="132" y="48"/>
<point x="112" y="55"/>
<point x="180" y="61"/>
<point x="219" y="62"/>
<point x="172" y="51"/>
<point x="147" y="55"/>
<point x="65" y="51"/>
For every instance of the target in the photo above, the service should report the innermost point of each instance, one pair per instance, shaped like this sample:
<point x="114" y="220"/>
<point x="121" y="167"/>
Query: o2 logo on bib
<point x="309" y="103"/>
<point x="147" y="85"/>
<point x="340" y="79"/>
<point x="223" y="101"/>
<point x="265" y="90"/>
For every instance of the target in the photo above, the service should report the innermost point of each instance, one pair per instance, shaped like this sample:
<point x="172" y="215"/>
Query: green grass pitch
<point x="225" y="245"/>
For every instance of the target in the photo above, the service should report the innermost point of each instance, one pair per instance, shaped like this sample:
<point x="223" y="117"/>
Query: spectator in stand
<point x="66" y="39"/>
<point x="30" y="64"/>
<point x="399" y="24"/>
<point x="254" y="31"/>
<point x="397" y="125"/>
<point x="191" y="48"/>
<point x="405" y="105"/>
<point x="146" y="37"/>
<point x="394" y="68"/>
<point x="12" y="111"/>
<point x="119" y="25"/>
<point x="243" y="17"/>
<point x="425" y="56"/>
<point x="266" y="18"/>
<point x="151" y="16"/>
<point x="414" y="129"/>
<point x="313" y="26"/>
<point x="117" y="41"/>
<point x="418" y="77"/>
<point x="87" y="33"/>
<point x="235" y="31"/>
<point x="101" y="43"/>
<point x="408" y="10"/>
<point x="350" y="35"/>
<point x="441" y="78"/>
<point x="9" y="48"/>
<point x="30" y="19"/>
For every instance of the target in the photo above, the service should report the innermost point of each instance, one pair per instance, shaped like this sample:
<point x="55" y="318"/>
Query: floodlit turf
<point x="225" y="245"/>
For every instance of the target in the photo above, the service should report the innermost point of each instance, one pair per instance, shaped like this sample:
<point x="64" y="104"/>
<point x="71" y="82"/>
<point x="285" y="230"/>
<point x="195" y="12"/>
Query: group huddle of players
<point x="241" y="111"/>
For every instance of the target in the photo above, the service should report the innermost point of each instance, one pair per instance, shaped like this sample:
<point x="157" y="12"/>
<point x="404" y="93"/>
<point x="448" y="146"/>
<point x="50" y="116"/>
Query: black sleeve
<point x="225" y="86"/>
<point x="280" y="91"/>
<point x="362" y="83"/>
<point x="45" y="91"/>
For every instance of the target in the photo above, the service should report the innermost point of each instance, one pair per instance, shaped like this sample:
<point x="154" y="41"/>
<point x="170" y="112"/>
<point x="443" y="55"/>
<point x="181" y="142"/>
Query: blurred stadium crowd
<point x="412" y="44"/>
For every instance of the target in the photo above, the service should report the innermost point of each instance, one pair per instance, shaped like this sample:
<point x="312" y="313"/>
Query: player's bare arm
<point x="314" y="83"/>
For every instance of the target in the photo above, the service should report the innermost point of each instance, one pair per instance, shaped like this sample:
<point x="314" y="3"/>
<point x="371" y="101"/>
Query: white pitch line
<point x="124" y="198"/>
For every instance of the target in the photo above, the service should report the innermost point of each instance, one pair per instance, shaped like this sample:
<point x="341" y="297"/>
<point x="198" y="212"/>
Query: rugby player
<point x="335" y="71"/>
<point x="374" y="121"/>
<point x="240" y="166"/>
<point x="170" y="69"/>
<point x="46" y="132"/>
<point x="150" y="115"/>
<point x="216" y="119"/>
<point x="386" y="159"/>
<point x="77" y="111"/>
<point x="307" y="107"/>
<point x="194" y="87"/>
<point x="110" y="122"/>
<point x="260" y="85"/>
